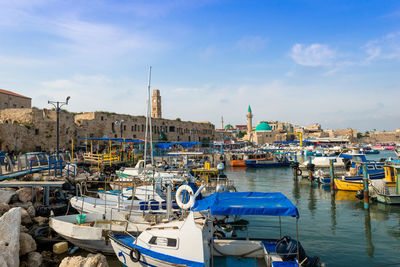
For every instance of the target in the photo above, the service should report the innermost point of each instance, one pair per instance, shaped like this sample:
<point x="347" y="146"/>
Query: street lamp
<point x="58" y="105"/>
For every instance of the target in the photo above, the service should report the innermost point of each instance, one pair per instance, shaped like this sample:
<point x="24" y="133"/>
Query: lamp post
<point x="120" y="122"/>
<point x="58" y="105"/>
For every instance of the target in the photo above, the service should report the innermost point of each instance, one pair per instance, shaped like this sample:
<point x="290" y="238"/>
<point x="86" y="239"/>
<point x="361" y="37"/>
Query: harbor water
<point x="334" y="227"/>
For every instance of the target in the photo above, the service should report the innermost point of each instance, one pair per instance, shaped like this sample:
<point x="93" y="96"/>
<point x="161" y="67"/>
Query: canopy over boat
<point x="182" y="144"/>
<point x="247" y="203"/>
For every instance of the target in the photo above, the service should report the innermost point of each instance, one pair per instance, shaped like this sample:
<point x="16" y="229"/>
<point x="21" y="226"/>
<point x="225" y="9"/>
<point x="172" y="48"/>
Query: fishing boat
<point x="172" y="243"/>
<point x="90" y="231"/>
<point x="376" y="171"/>
<point x="143" y="193"/>
<point x="384" y="193"/>
<point x="277" y="160"/>
<point x="238" y="160"/>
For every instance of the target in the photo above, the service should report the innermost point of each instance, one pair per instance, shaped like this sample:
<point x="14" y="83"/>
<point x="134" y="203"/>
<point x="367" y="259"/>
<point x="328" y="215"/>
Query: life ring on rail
<point x="179" y="194"/>
<point x="181" y="165"/>
<point x="134" y="255"/>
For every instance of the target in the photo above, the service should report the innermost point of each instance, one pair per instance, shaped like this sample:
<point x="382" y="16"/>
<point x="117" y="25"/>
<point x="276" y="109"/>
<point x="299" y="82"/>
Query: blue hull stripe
<point x="127" y="241"/>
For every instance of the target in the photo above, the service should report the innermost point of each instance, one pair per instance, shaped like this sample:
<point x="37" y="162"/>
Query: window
<point x="142" y="127"/>
<point x="132" y="128"/>
<point x="172" y="128"/>
<point x="134" y="136"/>
<point x="36" y="131"/>
<point x="379" y="167"/>
<point x="22" y="106"/>
<point x="124" y="127"/>
<point x="370" y="167"/>
<point x="102" y="118"/>
<point x="112" y="126"/>
<point x="14" y="105"/>
<point x="163" y="241"/>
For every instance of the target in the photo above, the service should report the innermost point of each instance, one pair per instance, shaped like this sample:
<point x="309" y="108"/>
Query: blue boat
<point x="375" y="171"/>
<point x="278" y="160"/>
<point x="196" y="241"/>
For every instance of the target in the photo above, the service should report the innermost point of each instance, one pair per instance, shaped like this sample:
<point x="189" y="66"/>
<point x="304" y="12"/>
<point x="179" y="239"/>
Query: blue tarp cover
<point x="183" y="144"/>
<point x="126" y="140"/>
<point x="247" y="203"/>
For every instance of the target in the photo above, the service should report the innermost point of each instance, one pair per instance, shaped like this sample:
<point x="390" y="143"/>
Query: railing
<point x="101" y="158"/>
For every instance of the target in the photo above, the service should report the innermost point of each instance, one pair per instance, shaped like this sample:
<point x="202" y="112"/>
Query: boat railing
<point x="241" y="226"/>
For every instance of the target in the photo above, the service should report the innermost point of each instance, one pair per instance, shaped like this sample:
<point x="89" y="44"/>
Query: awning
<point x="183" y="144"/>
<point x="126" y="140"/>
<point x="247" y="203"/>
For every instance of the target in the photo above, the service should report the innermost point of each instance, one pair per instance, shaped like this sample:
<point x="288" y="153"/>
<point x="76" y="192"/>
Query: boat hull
<point x="255" y="164"/>
<point x="238" y="163"/>
<point x="123" y="252"/>
<point x="388" y="199"/>
<point x="353" y="185"/>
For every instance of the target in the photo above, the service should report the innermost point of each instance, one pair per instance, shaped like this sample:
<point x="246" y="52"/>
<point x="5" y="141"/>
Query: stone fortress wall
<point x="32" y="129"/>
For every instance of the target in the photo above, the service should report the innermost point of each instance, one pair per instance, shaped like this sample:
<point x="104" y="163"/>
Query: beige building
<point x="156" y="104"/>
<point x="10" y="99"/>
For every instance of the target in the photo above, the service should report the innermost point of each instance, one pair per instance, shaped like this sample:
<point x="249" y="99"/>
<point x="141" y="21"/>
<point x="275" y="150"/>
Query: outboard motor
<point x="347" y="164"/>
<point x="286" y="247"/>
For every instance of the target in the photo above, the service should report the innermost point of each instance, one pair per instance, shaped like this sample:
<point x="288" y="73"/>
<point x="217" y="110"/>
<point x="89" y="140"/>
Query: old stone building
<point x="10" y="99"/>
<point x="34" y="129"/>
<point x="156" y="104"/>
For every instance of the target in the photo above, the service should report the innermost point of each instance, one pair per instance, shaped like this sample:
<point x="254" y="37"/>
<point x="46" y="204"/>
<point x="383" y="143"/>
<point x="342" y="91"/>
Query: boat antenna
<point x="148" y="123"/>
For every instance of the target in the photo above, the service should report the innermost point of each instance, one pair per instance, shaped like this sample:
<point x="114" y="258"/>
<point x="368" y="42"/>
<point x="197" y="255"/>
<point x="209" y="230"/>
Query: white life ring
<point x="178" y="197"/>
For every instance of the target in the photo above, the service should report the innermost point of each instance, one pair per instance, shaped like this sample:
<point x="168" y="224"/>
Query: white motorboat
<point x="194" y="241"/>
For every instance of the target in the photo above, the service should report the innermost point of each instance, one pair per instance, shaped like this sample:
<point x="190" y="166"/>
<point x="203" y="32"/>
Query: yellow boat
<point x="390" y="178"/>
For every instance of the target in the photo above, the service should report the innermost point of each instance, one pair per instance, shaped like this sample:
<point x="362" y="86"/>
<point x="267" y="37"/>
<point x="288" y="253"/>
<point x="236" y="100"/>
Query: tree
<point x="241" y="134"/>
<point x="178" y="119"/>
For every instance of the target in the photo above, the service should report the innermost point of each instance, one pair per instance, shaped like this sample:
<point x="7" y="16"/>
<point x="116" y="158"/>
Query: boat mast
<point x="148" y="123"/>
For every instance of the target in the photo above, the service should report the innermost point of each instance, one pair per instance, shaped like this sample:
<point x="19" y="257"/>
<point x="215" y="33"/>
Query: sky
<point x="333" y="62"/>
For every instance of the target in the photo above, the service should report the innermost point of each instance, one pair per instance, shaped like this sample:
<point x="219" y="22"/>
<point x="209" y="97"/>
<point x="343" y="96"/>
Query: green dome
<point x="228" y="127"/>
<point x="263" y="127"/>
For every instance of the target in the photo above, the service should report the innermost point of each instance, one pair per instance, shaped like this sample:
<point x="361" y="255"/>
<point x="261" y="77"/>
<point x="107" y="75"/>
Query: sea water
<point x="334" y="227"/>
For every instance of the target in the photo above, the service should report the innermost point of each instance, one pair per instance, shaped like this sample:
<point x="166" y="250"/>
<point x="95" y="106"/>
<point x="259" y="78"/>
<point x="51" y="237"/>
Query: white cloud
<point x="314" y="55"/>
<point x="252" y="43"/>
<point x="386" y="47"/>
<point x="94" y="92"/>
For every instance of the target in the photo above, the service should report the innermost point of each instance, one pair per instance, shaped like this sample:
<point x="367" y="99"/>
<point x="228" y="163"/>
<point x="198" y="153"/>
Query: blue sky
<point x="332" y="62"/>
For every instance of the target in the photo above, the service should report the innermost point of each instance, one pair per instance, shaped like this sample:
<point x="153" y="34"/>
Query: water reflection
<point x="311" y="199"/>
<point x="368" y="234"/>
<point x="333" y="213"/>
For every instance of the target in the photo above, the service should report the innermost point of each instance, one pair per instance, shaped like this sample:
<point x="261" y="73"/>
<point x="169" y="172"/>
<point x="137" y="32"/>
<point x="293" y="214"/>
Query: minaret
<point x="222" y="122"/>
<point x="156" y="104"/>
<point x="249" y="120"/>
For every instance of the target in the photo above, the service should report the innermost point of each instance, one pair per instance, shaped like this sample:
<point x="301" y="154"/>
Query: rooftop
<point x="12" y="93"/>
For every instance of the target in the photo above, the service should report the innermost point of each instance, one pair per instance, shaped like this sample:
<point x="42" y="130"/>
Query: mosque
<point x="266" y="132"/>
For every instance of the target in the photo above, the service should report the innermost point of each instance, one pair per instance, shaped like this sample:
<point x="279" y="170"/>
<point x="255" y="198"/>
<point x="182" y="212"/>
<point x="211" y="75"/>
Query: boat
<point x="277" y="160"/>
<point x="355" y="183"/>
<point x="143" y="193"/>
<point x="172" y="243"/>
<point x="384" y="193"/>
<point x="91" y="233"/>
<point x="238" y="160"/>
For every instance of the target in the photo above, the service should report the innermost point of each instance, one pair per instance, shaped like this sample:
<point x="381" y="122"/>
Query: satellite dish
<point x="116" y="123"/>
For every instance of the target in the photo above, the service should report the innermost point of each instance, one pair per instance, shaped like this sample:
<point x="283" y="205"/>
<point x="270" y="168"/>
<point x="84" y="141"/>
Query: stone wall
<point x="12" y="101"/>
<point x="33" y="129"/>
